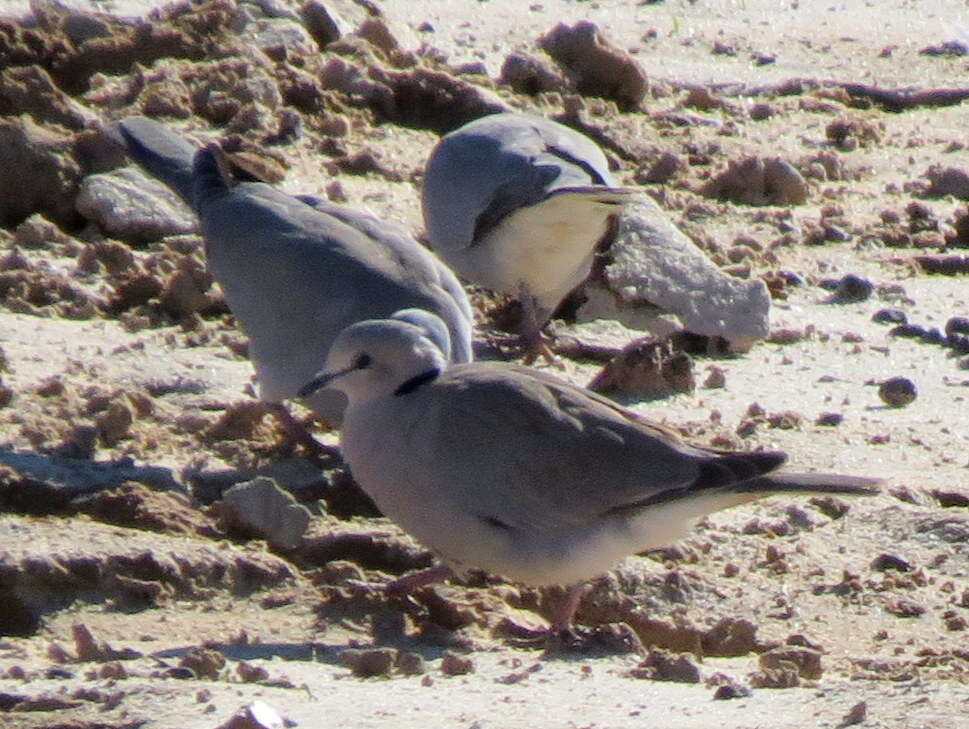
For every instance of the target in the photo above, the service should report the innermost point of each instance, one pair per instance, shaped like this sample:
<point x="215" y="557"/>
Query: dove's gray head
<point x="380" y="357"/>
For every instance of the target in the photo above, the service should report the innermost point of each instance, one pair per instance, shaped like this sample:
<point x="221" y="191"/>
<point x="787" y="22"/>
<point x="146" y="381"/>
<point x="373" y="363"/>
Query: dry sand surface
<point x="129" y="597"/>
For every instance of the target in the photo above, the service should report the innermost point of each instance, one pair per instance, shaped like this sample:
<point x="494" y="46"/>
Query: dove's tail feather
<point x="825" y="483"/>
<point x="211" y="175"/>
<point x="160" y="152"/>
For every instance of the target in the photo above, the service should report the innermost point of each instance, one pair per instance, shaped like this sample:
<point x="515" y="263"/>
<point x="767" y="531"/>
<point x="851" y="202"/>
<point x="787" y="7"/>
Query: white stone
<point x="128" y="205"/>
<point x="656" y="265"/>
<point x="264" y="508"/>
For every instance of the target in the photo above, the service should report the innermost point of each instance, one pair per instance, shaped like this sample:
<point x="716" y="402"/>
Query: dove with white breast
<point x="518" y="204"/>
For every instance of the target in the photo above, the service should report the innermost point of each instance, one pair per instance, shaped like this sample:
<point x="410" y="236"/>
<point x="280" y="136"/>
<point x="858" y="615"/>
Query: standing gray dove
<point x="518" y="204"/>
<point x="500" y="467"/>
<point x="296" y="272"/>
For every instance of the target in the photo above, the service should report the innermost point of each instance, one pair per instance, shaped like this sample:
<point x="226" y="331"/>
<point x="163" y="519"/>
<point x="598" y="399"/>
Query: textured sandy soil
<point x="127" y="599"/>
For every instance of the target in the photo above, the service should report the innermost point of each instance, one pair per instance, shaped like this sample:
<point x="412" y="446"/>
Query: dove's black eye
<point x="363" y="361"/>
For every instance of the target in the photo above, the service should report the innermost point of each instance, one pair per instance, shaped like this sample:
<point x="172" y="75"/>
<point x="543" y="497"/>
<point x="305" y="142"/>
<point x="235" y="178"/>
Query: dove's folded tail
<point x="825" y="483"/>
<point x="160" y="152"/>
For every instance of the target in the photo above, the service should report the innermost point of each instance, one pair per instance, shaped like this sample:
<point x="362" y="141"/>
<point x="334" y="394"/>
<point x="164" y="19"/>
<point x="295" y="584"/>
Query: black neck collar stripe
<point x="417" y="381"/>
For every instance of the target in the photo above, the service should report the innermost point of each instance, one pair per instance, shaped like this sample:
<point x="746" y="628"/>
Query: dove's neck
<point x="417" y="381"/>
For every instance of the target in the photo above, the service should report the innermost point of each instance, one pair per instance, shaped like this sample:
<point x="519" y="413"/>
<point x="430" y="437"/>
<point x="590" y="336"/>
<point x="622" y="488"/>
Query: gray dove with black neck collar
<point x="507" y="469"/>
<point x="297" y="271"/>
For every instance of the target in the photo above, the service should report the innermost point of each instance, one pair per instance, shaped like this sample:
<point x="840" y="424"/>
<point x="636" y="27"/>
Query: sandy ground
<point x="199" y="622"/>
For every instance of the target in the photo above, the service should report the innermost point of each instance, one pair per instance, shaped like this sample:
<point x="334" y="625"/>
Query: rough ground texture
<point x="815" y="147"/>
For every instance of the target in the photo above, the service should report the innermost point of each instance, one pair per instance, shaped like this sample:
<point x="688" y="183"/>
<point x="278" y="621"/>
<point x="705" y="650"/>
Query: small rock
<point x="453" y="664"/>
<point x="890" y="316"/>
<point x="904" y="608"/>
<point x="730" y="637"/>
<point x="887" y="561"/>
<point x="907" y="331"/>
<point x="716" y="379"/>
<point x="853" y="288"/>
<point x="646" y="368"/>
<point x="785" y="420"/>
<point x="57" y="672"/>
<point x="703" y="99"/>
<point x="663" y="169"/>
<point x="369" y="662"/>
<point x="187" y="291"/>
<point x="856" y="715"/>
<point x="728" y="688"/>
<point x="758" y="181"/>
<point x="338" y="572"/>
<point x="951" y="498"/>
<point x="178" y="672"/>
<point x="50" y="186"/>
<point x="410" y="663"/>
<point x="803" y="641"/>
<point x="114" y="669"/>
<point x="598" y="67"/>
<point x="38" y="232"/>
<point x="807" y="661"/>
<point x="786" y="677"/>
<point x="261" y="507"/>
<point x="957" y="325"/>
<point x="324" y="24"/>
<point x="960" y="343"/>
<point x="955" y="622"/>
<point x="521" y="624"/>
<point x="950" y="48"/>
<point x="128" y="205"/>
<point x="530" y="74"/>
<point x="51" y="387"/>
<point x="447" y="612"/>
<point x="89" y="648"/>
<point x="251" y="673"/>
<point x="115" y="424"/>
<point x="848" y="134"/>
<point x="660" y="665"/>
<point x="831" y="506"/>
<point x="947" y="181"/>
<point x="897" y="392"/>
<point x="786" y="336"/>
<point x="761" y="111"/>
<point x="920" y="217"/>
<point x="945" y="265"/>
<point x="830" y="419"/>
<point x="6" y="394"/>
<point x="203" y="662"/>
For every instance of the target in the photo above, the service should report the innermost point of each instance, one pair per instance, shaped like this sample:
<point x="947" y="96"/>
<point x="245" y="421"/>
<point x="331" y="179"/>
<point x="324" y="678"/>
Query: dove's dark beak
<point x="321" y="380"/>
<point x="324" y="378"/>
